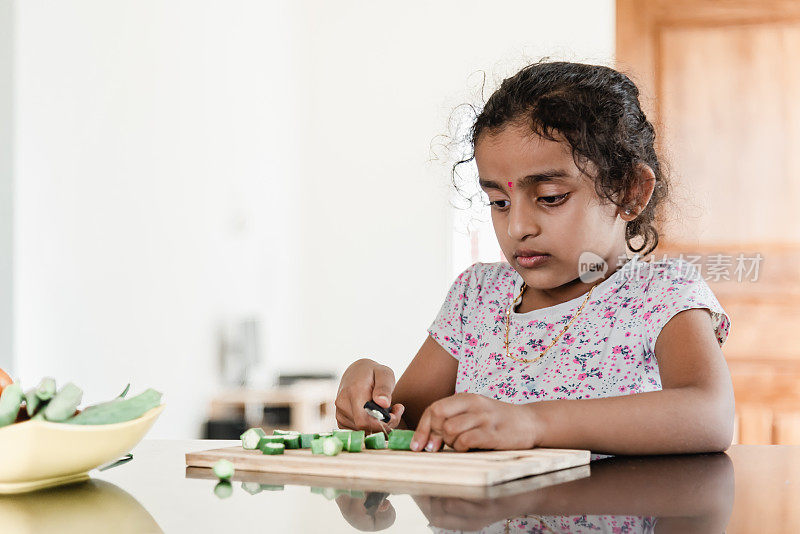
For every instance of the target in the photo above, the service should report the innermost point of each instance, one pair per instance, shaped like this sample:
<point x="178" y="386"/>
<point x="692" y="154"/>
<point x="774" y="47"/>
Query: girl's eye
<point x="548" y="201"/>
<point x="494" y="204"/>
<point x="554" y="200"/>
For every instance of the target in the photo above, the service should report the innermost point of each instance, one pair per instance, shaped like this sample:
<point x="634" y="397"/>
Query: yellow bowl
<point x="40" y="454"/>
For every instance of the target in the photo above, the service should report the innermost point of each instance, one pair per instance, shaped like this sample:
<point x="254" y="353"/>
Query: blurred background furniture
<point x="297" y="403"/>
<point x="721" y="81"/>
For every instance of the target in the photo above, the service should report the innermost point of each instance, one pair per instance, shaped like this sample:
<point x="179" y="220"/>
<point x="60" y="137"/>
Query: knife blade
<point x="380" y="413"/>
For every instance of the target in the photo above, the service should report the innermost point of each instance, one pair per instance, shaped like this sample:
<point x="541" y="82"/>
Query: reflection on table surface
<point x="86" y="506"/>
<point x="678" y="493"/>
<point x="688" y="493"/>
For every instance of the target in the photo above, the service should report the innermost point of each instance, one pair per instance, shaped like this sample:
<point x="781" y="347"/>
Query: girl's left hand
<point x="467" y="421"/>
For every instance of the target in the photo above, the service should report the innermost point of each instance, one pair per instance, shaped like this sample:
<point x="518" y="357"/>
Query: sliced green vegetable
<point x="224" y="469"/>
<point x="291" y="441"/>
<point x="343" y="435"/>
<point x="375" y="441"/>
<point x="269" y="439"/>
<point x="316" y="446"/>
<point x="63" y="405"/>
<point x="117" y="410"/>
<point x="332" y="446"/>
<point x="328" y="493"/>
<point x="273" y="448"/>
<point x="251" y="487"/>
<point x="223" y="489"/>
<point x="400" y="439"/>
<point x="306" y="439"/>
<point x="10" y="403"/>
<point x="356" y="442"/>
<point x="252" y="437"/>
<point x="46" y="389"/>
<point x="284" y="432"/>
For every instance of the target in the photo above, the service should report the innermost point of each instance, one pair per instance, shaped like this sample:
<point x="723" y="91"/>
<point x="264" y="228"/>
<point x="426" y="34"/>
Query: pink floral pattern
<point x="568" y="525"/>
<point x="608" y="351"/>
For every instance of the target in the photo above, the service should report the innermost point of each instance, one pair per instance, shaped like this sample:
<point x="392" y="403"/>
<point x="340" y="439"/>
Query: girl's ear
<point x="639" y="195"/>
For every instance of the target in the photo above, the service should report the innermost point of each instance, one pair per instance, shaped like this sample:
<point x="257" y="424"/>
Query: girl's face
<point x="540" y="201"/>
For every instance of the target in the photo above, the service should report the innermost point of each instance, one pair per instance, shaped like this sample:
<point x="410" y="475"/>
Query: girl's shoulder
<point x="658" y="290"/>
<point x="664" y="275"/>
<point x="484" y="277"/>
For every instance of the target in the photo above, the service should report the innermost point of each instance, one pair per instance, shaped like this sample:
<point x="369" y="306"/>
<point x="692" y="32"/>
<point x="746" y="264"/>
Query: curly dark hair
<point x="597" y="110"/>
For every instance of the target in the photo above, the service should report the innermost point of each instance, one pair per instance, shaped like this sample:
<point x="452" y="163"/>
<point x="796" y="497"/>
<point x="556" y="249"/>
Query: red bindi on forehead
<point x="510" y="185"/>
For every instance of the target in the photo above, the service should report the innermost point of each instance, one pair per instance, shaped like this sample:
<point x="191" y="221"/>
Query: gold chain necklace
<point x="508" y="324"/>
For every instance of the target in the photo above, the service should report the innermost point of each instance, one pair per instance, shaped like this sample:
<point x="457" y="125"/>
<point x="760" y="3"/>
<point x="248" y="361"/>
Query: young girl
<point x="571" y="343"/>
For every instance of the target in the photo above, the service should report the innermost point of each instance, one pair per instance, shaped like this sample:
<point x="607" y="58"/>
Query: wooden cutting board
<point x="477" y="468"/>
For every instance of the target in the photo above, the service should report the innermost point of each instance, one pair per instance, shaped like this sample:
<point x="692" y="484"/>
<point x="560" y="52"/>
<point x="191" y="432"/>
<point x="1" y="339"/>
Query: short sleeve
<point x="675" y="290"/>
<point x="448" y="326"/>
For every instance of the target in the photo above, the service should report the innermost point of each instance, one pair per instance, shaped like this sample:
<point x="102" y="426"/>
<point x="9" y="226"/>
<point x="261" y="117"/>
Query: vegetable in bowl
<point x="45" y="403"/>
<point x="46" y="441"/>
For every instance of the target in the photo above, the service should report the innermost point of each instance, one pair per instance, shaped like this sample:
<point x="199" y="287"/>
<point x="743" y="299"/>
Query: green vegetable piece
<point x="316" y="446"/>
<point x="328" y="493"/>
<point x="332" y="446"/>
<point x="10" y="403"/>
<point x="272" y="487"/>
<point x="273" y="448"/>
<point x="252" y="437"/>
<point x="357" y="494"/>
<point x="223" y="489"/>
<point x="251" y="487"/>
<point x="306" y="439"/>
<point x="32" y="402"/>
<point x="224" y="469"/>
<point x="400" y="439"/>
<point x="117" y="410"/>
<point x="284" y="432"/>
<point x="291" y="441"/>
<point x="46" y="389"/>
<point x="375" y="441"/>
<point x="124" y="391"/>
<point x="325" y="434"/>
<point x="343" y="435"/>
<point x="269" y="439"/>
<point x="356" y="441"/>
<point x="64" y="404"/>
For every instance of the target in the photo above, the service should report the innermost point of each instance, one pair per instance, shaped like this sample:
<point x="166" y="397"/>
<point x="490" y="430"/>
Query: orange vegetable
<point x="4" y="380"/>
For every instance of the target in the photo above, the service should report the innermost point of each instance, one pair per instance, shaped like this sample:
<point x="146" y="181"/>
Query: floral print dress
<point x="608" y="351"/>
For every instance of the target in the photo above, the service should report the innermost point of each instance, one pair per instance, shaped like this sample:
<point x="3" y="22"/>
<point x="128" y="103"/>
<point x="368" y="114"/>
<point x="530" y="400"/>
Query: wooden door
<point x="721" y="82"/>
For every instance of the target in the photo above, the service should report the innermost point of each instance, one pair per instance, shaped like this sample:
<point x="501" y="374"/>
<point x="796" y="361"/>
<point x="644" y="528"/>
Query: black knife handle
<point x="372" y="405"/>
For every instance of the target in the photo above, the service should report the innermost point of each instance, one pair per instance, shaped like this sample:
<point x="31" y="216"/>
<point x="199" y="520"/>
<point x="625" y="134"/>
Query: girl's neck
<point x="536" y="299"/>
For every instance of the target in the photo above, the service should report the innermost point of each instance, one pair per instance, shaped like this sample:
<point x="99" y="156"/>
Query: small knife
<point x="380" y="413"/>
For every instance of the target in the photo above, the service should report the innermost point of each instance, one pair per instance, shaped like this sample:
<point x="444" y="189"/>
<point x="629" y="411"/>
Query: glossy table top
<point x="749" y="488"/>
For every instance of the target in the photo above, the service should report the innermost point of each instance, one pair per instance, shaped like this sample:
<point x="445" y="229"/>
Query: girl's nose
<point x="522" y="220"/>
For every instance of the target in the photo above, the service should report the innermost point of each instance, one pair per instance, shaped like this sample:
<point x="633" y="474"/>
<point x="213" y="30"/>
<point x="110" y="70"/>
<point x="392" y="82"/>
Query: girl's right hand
<point x="365" y="380"/>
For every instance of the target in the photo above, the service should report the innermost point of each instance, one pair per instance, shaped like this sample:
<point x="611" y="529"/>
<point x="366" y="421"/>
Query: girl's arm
<point x="430" y="376"/>
<point x="693" y="413"/>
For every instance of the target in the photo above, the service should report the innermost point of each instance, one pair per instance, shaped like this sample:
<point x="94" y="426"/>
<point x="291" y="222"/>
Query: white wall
<point x="181" y="162"/>
<point x="6" y="168"/>
<point x="384" y="83"/>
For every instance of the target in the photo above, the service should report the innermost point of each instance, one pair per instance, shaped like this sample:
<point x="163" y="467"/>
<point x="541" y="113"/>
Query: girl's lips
<point x="532" y="261"/>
